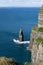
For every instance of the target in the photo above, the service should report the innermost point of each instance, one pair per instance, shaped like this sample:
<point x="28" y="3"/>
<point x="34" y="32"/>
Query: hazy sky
<point x="21" y="3"/>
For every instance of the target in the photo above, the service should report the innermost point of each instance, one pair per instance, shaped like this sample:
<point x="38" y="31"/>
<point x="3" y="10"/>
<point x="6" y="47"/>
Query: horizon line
<point x="19" y="6"/>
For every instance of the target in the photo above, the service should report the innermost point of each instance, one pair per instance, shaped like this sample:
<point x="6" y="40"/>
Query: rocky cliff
<point x="7" y="61"/>
<point x="36" y="40"/>
<point x="36" y="44"/>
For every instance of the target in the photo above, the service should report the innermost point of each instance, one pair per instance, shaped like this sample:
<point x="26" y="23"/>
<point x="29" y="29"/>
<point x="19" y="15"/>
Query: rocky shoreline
<point x="8" y="61"/>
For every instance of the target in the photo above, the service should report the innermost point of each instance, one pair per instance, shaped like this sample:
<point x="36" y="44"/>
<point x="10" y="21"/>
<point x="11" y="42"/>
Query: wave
<point x="19" y="42"/>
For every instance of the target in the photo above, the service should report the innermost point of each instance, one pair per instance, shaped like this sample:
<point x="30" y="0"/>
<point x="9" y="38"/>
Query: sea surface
<point x="11" y="20"/>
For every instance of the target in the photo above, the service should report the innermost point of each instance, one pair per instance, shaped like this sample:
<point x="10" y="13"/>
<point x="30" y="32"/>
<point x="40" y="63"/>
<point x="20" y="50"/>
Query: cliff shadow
<point x="29" y="56"/>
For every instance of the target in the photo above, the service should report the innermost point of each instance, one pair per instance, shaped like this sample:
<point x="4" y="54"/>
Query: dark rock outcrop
<point x="21" y="35"/>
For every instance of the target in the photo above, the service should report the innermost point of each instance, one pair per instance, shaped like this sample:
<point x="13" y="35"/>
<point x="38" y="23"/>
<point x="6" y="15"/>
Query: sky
<point x="21" y="3"/>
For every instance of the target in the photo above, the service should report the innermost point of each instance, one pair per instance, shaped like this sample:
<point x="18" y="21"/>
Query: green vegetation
<point x="7" y="61"/>
<point x="40" y="40"/>
<point x="41" y="29"/>
<point x="38" y="29"/>
<point x="35" y="27"/>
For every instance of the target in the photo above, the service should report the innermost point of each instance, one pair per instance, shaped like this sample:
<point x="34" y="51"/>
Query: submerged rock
<point x="21" y="35"/>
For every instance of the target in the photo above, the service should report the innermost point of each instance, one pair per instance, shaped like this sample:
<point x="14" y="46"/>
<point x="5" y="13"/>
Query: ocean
<point x="11" y="20"/>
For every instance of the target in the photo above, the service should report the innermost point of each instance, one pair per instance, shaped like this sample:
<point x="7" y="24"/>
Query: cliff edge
<point x="36" y="40"/>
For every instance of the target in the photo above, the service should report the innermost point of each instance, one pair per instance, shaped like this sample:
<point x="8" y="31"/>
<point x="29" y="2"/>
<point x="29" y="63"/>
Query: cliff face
<point x="37" y="53"/>
<point x="40" y="17"/>
<point x="36" y="40"/>
<point x="36" y="44"/>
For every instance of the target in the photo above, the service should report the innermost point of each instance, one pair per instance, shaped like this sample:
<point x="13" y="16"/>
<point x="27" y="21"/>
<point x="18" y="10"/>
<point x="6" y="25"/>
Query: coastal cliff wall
<point x="36" y="40"/>
<point x="36" y="44"/>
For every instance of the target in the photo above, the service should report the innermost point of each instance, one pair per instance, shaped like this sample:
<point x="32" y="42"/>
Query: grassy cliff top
<point x="35" y="28"/>
<point x="41" y="29"/>
<point x="40" y="40"/>
<point x="7" y="61"/>
<point x="41" y="10"/>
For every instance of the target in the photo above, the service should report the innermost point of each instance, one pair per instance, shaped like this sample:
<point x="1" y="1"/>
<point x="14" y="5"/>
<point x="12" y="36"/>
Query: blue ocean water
<point x="11" y="19"/>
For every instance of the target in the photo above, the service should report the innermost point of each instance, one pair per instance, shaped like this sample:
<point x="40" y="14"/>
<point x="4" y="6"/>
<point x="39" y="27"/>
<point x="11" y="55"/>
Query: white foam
<point x="27" y="48"/>
<point x="19" y="42"/>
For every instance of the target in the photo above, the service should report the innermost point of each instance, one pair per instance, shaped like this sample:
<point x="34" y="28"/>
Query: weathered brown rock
<point x="8" y="61"/>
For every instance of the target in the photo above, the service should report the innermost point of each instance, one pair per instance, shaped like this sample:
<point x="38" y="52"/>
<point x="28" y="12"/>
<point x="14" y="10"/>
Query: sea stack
<point x="21" y="35"/>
